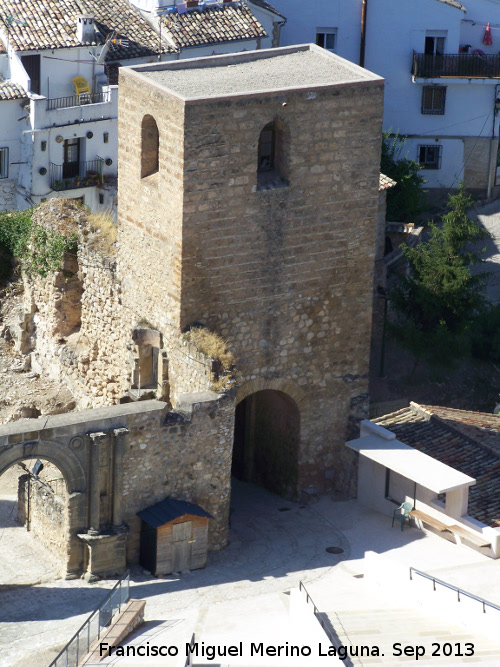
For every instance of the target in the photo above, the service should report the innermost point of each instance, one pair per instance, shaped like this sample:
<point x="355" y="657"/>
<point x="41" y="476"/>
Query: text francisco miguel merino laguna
<point x="240" y="649"/>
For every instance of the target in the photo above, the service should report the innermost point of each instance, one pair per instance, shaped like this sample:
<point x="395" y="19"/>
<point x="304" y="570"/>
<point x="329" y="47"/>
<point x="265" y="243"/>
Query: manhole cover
<point x="334" y="550"/>
<point x="284" y="509"/>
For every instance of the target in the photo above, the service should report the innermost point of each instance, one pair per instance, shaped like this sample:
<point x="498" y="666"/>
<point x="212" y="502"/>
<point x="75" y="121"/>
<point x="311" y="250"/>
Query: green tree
<point x="436" y="304"/>
<point x="406" y="199"/>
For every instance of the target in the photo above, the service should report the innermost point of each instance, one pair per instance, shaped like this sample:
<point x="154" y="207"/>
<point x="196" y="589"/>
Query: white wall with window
<point x="334" y="23"/>
<point x="10" y="151"/>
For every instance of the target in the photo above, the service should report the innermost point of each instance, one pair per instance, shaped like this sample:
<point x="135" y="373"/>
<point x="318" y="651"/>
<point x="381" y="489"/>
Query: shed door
<point x="181" y="537"/>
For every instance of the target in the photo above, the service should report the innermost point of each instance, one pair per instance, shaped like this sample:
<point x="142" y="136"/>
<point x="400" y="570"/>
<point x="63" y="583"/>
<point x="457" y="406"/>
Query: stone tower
<point x="248" y="197"/>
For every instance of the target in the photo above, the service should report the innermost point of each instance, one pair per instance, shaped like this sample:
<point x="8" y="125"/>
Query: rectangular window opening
<point x="429" y="157"/>
<point x="433" y="100"/>
<point x="326" y="38"/>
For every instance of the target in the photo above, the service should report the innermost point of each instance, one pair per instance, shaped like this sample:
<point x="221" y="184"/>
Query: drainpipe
<point x="364" y="7"/>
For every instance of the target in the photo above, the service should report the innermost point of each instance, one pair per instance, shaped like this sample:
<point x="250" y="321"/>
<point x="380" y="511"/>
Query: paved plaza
<point x="274" y="544"/>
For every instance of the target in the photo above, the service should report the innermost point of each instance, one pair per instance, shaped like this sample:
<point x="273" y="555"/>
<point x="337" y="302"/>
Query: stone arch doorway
<point x="34" y="515"/>
<point x="267" y="441"/>
<point x="75" y="489"/>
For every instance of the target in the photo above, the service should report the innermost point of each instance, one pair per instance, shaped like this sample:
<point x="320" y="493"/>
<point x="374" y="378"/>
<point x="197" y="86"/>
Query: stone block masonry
<point x="283" y="272"/>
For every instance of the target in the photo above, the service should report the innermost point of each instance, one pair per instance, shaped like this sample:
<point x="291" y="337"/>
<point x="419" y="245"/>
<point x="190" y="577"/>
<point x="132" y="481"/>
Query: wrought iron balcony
<point x="459" y="65"/>
<point x="72" y="175"/>
<point x="77" y="100"/>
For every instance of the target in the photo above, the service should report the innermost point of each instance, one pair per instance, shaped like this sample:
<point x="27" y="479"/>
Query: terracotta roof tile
<point x="465" y="440"/>
<point x="51" y="24"/>
<point x="11" y="91"/>
<point x="211" y="25"/>
<point x="384" y="182"/>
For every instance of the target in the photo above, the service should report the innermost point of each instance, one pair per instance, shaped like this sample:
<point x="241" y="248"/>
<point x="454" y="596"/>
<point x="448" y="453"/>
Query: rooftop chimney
<point x="85" y="31"/>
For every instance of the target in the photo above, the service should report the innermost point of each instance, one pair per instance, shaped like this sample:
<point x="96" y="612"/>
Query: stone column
<point x="95" y="441"/>
<point x="119" y="435"/>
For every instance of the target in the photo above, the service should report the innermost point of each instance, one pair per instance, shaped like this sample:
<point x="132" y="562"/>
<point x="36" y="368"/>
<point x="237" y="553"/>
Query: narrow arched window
<point x="272" y="171"/>
<point x="149" y="146"/>
<point x="267" y="142"/>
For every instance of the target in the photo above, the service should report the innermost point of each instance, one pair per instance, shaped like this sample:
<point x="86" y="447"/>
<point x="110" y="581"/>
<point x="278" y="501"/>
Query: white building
<point x="60" y="143"/>
<point x="441" y="78"/>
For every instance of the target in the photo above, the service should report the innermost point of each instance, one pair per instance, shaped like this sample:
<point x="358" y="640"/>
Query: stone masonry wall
<point x="47" y="515"/>
<point x="477" y="163"/>
<point x="285" y="275"/>
<point x="186" y="456"/>
<point x="7" y="195"/>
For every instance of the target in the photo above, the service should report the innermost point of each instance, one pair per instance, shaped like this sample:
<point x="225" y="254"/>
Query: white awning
<point x="411" y="463"/>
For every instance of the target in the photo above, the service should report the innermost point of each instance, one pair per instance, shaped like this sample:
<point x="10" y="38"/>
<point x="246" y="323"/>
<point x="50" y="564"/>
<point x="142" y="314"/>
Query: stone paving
<point x="271" y="551"/>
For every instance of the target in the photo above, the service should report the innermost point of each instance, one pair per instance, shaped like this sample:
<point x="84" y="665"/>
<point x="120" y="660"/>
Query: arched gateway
<point x="87" y="449"/>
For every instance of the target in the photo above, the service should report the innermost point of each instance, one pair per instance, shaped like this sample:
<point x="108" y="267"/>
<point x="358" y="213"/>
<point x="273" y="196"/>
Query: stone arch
<point x="150" y="146"/>
<point x="278" y="384"/>
<point x="76" y="482"/>
<point x="266" y="447"/>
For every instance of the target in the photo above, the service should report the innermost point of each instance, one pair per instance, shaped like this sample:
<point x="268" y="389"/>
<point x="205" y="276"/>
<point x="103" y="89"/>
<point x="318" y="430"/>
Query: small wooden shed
<point x="174" y="536"/>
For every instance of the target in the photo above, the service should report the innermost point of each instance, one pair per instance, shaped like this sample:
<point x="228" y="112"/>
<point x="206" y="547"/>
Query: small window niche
<point x="150" y="146"/>
<point x="272" y="158"/>
<point x="148" y="371"/>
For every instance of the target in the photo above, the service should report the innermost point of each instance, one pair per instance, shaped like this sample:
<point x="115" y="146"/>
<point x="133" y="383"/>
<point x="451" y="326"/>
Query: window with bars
<point x="429" y="157"/>
<point x="326" y="38"/>
<point x="433" y="99"/>
<point x="4" y="162"/>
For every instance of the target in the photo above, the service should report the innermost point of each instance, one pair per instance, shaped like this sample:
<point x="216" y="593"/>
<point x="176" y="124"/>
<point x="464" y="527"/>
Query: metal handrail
<point x="105" y="616"/>
<point x="464" y="65"/>
<point x="309" y="600"/>
<point x="459" y="591"/>
<point x="74" y="100"/>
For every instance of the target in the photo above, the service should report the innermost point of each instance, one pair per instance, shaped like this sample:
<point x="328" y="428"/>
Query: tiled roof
<point x="212" y="25"/>
<point x="444" y="434"/>
<point x="384" y="182"/>
<point x="265" y="5"/>
<point x="51" y="24"/>
<point x="11" y="91"/>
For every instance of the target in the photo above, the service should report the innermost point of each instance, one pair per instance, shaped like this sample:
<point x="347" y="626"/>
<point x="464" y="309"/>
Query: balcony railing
<point x="77" y="101"/>
<point x="75" y="175"/>
<point x="460" y="65"/>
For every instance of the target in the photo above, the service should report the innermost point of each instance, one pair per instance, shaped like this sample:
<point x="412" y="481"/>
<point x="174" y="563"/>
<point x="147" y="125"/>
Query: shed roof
<point x="168" y="510"/>
<point x="466" y="440"/>
<point x="412" y="464"/>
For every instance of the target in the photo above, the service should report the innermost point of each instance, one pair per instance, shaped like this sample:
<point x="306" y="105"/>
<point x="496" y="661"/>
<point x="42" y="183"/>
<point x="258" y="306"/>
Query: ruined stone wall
<point x="190" y="370"/>
<point x="97" y="365"/>
<point x="47" y="515"/>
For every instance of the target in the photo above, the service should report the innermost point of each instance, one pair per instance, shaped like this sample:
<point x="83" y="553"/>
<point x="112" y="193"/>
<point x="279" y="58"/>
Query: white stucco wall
<point x="10" y="137"/>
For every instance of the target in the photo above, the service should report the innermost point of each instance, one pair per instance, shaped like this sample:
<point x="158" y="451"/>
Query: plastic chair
<point x="82" y="89"/>
<point x="402" y="513"/>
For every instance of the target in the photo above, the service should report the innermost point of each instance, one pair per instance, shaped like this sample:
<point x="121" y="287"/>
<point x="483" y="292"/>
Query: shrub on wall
<point x="39" y="250"/>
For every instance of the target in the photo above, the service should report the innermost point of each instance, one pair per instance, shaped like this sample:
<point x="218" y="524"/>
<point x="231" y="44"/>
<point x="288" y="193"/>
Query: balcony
<point x="75" y="101"/>
<point x="74" y="175"/>
<point x="460" y="65"/>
